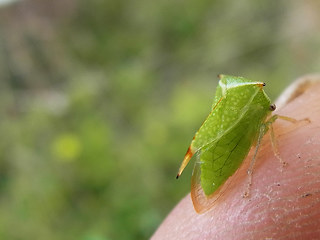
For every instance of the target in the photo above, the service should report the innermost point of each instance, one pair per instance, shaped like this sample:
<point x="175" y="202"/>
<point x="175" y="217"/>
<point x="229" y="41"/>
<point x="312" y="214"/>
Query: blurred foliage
<point x="100" y="99"/>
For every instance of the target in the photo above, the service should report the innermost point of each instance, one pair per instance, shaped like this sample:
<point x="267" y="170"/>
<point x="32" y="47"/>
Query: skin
<point x="283" y="201"/>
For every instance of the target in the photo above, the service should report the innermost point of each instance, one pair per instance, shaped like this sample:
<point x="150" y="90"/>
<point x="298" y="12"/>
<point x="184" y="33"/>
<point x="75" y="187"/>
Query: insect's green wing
<point x="215" y="164"/>
<point x="240" y="115"/>
<point x="222" y="158"/>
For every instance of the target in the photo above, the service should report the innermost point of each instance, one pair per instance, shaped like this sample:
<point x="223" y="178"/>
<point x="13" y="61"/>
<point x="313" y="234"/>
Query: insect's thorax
<point x="245" y="105"/>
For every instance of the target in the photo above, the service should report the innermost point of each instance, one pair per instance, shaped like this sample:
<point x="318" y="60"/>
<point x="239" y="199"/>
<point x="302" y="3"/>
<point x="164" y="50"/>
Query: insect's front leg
<point x="274" y="143"/>
<point x="274" y="117"/>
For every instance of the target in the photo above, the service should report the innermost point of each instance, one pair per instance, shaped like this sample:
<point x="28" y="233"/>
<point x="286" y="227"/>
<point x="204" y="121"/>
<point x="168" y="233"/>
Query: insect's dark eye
<point x="272" y="107"/>
<point x="263" y="84"/>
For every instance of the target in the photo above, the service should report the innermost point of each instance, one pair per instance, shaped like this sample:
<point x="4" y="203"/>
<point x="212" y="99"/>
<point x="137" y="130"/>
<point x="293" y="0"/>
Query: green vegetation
<point x="99" y="100"/>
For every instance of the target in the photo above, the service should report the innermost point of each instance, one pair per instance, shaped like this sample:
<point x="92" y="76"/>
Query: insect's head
<point x="261" y="85"/>
<point x="272" y="107"/>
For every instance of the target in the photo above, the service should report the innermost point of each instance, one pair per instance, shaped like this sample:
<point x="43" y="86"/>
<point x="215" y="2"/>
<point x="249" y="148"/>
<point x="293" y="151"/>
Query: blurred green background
<point x="99" y="101"/>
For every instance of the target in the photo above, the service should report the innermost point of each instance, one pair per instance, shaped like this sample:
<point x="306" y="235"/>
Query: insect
<point x="240" y="116"/>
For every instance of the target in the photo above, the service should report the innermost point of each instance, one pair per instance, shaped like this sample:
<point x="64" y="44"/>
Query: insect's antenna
<point x="185" y="162"/>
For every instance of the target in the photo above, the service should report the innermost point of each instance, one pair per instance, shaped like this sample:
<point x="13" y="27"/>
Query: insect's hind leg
<point x="262" y="131"/>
